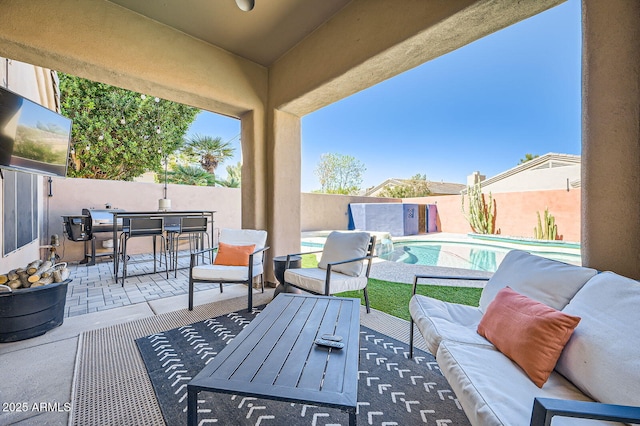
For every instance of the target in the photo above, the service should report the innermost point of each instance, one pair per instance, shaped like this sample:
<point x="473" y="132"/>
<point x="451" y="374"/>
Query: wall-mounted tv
<point x="32" y="138"/>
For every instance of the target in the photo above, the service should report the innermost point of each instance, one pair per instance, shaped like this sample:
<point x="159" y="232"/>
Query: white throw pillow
<point x="601" y="358"/>
<point x="344" y="245"/>
<point x="547" y="281"/>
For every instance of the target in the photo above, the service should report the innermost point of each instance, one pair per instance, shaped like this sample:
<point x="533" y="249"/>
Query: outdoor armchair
<point x="341" y="267"/>
<point x="250" y="242"/>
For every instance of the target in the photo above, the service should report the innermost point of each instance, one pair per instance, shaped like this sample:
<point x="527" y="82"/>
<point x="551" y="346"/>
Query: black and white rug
<point x="392" y="389"/>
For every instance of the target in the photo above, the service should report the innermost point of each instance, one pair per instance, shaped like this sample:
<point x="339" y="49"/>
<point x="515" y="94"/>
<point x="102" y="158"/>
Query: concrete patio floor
<point x="36" y="381"/>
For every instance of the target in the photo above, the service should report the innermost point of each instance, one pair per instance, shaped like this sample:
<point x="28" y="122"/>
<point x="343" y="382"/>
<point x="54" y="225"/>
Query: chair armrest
<point x="194" y="255"/>
<point x="260" y="250"/>
<point x="545" y="408"/>
<point x="444" y="277"/>
<point x="286" y="265"/>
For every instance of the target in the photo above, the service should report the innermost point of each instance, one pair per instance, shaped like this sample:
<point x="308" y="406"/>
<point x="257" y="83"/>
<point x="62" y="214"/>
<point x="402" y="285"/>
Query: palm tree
<point x="234" y="174"/>
<point x="528" y="157"/>
<point x="191" y="175"/>
<point x="210" y="151"/>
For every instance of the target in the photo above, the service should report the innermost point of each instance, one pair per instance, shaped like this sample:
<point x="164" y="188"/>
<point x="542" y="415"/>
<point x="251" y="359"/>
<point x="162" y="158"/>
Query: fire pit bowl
<point x="31" y="312"/>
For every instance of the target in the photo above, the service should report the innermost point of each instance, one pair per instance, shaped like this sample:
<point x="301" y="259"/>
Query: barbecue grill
<point x="85" y="227"/>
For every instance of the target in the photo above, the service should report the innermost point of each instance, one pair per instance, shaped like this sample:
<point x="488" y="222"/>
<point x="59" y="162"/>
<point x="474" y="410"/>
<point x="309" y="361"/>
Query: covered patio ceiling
<point x="262" y="35"/>
<point x="288" y="58"/>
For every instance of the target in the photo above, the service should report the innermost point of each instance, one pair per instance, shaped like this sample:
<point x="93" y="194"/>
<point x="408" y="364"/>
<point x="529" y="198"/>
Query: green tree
<point x="209" y="151"/>
<point x="528" y="157"/>
<point x="340" y="174"/>
<point x="234" y="176"/>
<point x="191" y="175"/>
<point x="417" y="186"/>
<point x="118" y="134"/>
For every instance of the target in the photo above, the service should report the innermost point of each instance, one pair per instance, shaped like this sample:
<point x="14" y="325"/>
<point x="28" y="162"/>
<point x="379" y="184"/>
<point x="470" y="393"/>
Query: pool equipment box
<point x="397" y="219"/>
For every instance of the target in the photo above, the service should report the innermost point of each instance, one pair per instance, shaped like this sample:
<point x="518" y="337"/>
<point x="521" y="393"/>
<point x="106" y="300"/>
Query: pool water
<point x="462" y="255"/>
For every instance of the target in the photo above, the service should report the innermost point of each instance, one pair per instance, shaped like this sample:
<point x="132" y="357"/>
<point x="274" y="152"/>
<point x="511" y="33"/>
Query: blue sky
<point x="481" y="107"/>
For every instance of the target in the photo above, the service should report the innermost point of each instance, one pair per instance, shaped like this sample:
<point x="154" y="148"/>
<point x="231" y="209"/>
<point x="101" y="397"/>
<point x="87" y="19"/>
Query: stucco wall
<point x="326" y="211"/>
<point x="515" y="212"/>
<point x="70" y="196"/>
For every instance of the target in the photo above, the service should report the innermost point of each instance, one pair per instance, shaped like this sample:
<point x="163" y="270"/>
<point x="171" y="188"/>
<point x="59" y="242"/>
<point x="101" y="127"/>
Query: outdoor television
<point x="32" y="138"/>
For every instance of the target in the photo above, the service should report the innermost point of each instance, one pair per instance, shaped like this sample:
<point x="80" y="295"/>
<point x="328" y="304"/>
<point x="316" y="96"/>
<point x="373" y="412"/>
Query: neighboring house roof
<point x="436" y="188"/>
<point x="549" y="171"/>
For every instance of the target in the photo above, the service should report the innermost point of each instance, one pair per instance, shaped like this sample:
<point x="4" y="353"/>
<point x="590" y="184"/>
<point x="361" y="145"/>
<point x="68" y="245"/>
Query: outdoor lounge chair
<point x="341" y="267"/>
<point x="225" y="272"/>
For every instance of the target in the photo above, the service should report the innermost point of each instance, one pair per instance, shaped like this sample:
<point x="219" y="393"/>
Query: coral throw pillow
<point x="530" y="333"/>
<point x="230" y="255"/>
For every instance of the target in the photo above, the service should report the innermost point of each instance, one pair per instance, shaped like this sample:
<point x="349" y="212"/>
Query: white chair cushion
<point x="218" y="273"/>
<point x="245" y="237"/>
<point x="345" y="245"/>
<point x="601" y="358"/>
<point x="438" y="320"/>
<point x="313" y="279"/>
<point x="547" y="281"/>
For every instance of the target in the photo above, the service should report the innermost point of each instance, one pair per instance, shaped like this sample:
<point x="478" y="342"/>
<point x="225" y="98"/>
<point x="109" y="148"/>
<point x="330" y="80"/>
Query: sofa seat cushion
<point x="493" y="390"/>
<point x="603" y="356"/>
<point x="438" y="320"/>
<point x="547" y="281"/>
<point x="218" y="273"/>
<point x="313" y="279"/>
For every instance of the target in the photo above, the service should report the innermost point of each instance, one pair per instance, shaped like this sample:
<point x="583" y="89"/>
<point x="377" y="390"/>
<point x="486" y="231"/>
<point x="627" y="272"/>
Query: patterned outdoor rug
<point x="392" y="389"/>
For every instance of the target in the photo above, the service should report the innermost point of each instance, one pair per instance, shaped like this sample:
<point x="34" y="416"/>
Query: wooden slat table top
<point x="274" y="357"/>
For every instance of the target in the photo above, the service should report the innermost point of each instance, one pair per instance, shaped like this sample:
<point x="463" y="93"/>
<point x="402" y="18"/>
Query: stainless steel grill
<point x="85" y="227"/>
<point x="101" y="220"/>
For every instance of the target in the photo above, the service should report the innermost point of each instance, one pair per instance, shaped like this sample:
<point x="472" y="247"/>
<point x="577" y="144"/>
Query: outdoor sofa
<point x="599" y="363"/>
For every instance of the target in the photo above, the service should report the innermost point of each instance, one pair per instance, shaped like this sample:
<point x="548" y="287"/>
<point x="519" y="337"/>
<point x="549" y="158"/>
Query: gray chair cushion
<point x="344" y="245"/>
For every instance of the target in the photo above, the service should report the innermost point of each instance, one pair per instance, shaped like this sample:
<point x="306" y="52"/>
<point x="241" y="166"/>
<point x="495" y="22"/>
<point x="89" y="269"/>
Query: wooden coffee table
<point x="274" y="357"/>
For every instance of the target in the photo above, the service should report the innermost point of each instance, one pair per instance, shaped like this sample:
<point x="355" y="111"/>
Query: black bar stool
<point x="195" y="230"/>
<point x="143" y="227"/>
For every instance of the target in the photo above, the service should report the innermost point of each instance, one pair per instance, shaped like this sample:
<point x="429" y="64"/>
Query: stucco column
<point x="611" y="136"/>
<point x="283" y="192"/>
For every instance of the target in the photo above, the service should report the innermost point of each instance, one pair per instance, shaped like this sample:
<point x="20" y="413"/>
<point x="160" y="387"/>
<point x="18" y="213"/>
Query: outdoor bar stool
<point x="193" y="229"/>
<point x="144" y="227"/>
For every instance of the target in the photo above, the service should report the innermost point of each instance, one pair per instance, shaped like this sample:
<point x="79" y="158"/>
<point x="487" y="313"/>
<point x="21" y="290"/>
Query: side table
<point x="279" y="263"/>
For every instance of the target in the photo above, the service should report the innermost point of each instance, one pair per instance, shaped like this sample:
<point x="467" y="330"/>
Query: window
<point x="20" y="207"/>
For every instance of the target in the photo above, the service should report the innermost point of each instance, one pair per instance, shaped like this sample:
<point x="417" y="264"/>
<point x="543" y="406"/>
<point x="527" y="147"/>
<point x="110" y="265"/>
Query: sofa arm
<point x="444" y="277"/>
<point x="545" y="408"/>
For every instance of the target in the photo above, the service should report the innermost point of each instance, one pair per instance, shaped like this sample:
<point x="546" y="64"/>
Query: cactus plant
<point x="482" y="214"/>
<point x="547" y="229"/>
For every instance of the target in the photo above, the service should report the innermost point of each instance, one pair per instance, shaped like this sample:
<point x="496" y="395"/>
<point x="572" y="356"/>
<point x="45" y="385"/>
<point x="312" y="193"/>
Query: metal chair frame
<point x="144" y="227"/>
<point x="248" y="281"/>
<point x="327" y="286"/>
<point x="195" y="229"/>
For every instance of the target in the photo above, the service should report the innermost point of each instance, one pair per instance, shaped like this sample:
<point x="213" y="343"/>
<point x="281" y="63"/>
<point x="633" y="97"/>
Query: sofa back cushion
<point x="547" y="281"/>
<point x="602" y="357"/>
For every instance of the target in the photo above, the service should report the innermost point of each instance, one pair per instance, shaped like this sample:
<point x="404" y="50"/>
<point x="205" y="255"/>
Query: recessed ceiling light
<point x="246" y="5"/>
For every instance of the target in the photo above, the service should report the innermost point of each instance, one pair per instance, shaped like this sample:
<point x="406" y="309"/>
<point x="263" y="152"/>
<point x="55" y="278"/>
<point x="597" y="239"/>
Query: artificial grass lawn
<point x="393" y="298"/>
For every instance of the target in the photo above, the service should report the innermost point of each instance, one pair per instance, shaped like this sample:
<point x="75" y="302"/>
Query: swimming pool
<point x="465" y="255"/>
